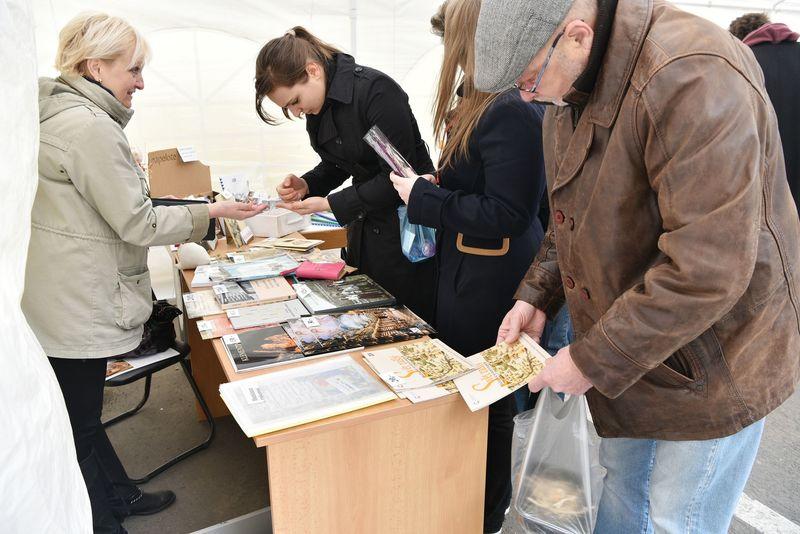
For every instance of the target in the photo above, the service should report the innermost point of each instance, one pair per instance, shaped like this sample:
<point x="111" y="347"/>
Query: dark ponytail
<point x="282" y="63"/>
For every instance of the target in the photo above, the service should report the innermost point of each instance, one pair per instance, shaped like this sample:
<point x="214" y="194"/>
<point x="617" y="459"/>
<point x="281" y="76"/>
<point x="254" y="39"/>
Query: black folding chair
<point x="147" y="372"/>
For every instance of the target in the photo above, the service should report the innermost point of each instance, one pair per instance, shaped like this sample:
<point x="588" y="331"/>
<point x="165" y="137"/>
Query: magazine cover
<point x="419" y="371"/>
<point x="267" y="314"/>
<point x="260" y="348"/>
<point x="218" y="326"/>
<point x="353" y="292"/>
<point x="266" y="268"/>
<point x="501" y="370"/>
<point x="233" y="295"/>
<point x="356" y="328"/>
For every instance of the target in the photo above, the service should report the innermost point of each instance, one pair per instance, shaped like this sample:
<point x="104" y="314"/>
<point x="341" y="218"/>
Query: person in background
<point x="491" y="178"/>
<point x="675" y="243"/>
<point x="87" y="288"/>
<point x="341" y="101"/>
<point x="778" y="52"/>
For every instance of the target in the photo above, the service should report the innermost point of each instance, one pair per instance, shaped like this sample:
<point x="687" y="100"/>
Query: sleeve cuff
<point x="425" y="203"/>
<point x="346" y="205"/>
<point x="604" y="364"/>
<point x="200" y="220"/>
<point x="549" y="301"/>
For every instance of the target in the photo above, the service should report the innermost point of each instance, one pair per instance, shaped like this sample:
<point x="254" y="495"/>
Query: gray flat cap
<point x="509" y="34"/>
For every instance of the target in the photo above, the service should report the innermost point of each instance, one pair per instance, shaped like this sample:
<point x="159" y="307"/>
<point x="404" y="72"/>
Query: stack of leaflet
<point x="298" y="395"/>
<point x="353" y="292"/>
<point x="266" y="268"/>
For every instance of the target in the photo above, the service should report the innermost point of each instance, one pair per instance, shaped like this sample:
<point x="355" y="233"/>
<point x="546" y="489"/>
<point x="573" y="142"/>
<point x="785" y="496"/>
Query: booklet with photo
<point x="421" y="370"/>
<point x="265" y="268"/>
<point x="116" y="368"/>
<point x="218" y="326"/>
<point x="294" y="243"/>
<point x="319" y="334"/>
<point x="354" y="292"/>
<point x="271" y="289"/>
<point x="501" y="370"/>
<point x="251" y="292"/>
<point x="302" y="394"/>
<point x="267" y="314"/>
<point x="259" y="348"/>
<point x="207" y="275"/>
<point x="201" y="304"/>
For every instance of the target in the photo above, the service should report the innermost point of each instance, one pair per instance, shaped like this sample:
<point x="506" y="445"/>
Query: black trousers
<point x="82" y="384"/>
<point x="498" y="463"/>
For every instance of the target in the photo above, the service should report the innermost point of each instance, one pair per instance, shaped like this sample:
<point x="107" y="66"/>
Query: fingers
<point x="537" y="383"/>
<point x="512" y="334"/>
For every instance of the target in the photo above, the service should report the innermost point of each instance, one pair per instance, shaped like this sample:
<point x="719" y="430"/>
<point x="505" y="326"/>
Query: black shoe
<point x="150" y="503"/>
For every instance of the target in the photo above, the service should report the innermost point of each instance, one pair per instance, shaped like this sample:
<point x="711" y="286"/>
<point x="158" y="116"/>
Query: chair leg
<point x="211" y="430"/>
<point x="125" y="415"/>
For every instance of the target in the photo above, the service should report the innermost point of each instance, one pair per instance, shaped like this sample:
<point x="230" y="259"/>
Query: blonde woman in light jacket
<point x="87" y="288"/>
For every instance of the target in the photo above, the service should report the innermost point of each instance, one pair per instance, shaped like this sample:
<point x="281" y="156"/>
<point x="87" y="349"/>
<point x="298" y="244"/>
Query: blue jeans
<point x="557" y="334"/>
<point x="655" y="486"/>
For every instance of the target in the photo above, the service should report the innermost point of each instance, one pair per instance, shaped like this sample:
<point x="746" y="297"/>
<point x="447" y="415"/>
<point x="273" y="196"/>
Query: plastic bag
<point x="417" y="242"/>
<point x="555" y="468"/>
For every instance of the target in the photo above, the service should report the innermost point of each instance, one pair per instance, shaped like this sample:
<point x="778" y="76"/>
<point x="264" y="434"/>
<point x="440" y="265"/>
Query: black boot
<point x="98" y="486"/>
<point x="150" y="503"/>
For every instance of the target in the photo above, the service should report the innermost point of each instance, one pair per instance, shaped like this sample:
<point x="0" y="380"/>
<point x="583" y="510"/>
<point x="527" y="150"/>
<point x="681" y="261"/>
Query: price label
<point x="302" y="290"/>
<point x="310" y="322"/>
<point x="233" y="313"/>
<point x="230" y="339"/>
<point x="238" y="258"/>
<point x="205" y="326"/>
<point x="187" y="153"/>
<point x="219" y="289"/>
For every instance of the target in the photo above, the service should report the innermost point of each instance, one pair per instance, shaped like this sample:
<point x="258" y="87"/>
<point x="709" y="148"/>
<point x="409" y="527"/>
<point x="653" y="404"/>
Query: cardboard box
<point x="169" y="175"/>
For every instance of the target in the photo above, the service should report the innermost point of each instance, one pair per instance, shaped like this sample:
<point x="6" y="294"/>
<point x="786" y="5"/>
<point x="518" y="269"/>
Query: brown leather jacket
<point x="676" y="233"/>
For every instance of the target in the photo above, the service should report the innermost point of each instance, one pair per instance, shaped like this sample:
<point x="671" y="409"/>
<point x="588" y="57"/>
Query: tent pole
<point x="353" y="24"/>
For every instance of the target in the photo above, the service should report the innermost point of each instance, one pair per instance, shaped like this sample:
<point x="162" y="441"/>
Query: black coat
<point x="492" y="194"/>
<point x="357" y="98"/>
<point x="781" y="65"/>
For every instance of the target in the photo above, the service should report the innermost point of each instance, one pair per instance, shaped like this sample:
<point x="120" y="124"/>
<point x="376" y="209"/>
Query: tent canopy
<point x="199" y="83"/>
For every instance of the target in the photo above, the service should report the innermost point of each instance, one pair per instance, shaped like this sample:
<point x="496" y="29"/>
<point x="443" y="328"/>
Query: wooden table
<point x="394" y="467"/>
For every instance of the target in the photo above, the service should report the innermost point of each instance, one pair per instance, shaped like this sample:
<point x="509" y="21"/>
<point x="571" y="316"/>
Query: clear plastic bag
<point x="417" y="242"/>
<point x="555" y="468"/>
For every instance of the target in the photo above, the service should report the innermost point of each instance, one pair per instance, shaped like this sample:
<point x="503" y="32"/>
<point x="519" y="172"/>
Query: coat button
<point x="376" y="231"/>
<point x="559" y="217"/>
<point x="569" y="282"/>
<point x="571" y="223"/>
<point x="585" y="294"/>
<point x="338" y="140"/>
<point x="154" y="225"/>
<point x="359" y="69"/>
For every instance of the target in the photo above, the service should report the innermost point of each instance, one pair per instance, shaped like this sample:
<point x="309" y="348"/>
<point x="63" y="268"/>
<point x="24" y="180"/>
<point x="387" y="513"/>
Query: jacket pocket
<point x="134" y="301"/>
<point x="677" y="371"/>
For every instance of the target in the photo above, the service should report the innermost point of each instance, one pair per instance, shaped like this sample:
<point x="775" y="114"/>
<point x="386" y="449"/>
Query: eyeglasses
<point x="538" y="80"/>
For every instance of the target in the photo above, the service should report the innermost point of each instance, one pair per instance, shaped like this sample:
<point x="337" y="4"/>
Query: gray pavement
<point x="229" y="479"/>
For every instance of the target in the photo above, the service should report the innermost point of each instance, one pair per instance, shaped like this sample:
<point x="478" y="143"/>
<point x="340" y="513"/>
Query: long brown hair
<point x="455" y="118"/>
<point x="282" y="63"/>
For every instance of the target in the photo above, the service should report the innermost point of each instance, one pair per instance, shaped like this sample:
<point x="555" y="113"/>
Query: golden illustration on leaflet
<point x="513" y="363"/>
<point x="433" y="363"/>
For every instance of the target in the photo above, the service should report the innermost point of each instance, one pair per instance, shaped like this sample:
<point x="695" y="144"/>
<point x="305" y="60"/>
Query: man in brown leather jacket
<point x="673" y="238"/>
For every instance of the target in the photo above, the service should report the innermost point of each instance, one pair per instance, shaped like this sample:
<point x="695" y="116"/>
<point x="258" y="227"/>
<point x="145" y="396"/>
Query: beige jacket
<point x="87" y="288"/>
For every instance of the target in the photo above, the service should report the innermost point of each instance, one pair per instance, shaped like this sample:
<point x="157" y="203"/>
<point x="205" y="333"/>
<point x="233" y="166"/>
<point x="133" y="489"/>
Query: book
<point x="260" y="348"/>
<point x="201" y="304"/>
<point x="421" y="370"/>
<point x="266" y="314"/>
<point x="501" y="370"/>
<point x="234" y="295"/>
<point x="218" y="326"/>
<point x="206" y="276"/>
<point x="295" y="243"/>
<point x="319" y="334"/>
<point x="321" y="271"/>
<point x="302" y="394"/>
<point x="231" y="294"/>
<point x="264" y="268"/>
<point x="353" y="292"/>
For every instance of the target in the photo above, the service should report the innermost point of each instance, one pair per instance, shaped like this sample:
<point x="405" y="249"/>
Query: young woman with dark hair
<point x="341" y="100"/>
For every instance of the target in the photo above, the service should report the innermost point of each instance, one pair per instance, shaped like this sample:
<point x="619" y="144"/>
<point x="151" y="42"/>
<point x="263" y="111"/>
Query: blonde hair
<point x="454" y="118"/>
<point x="98" y="36"/>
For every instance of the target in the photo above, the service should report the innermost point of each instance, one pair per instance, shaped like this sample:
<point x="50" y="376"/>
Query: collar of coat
<point x="99" y="96"/>
<point x="631" y="22"/>
<point x="343" y="81"/>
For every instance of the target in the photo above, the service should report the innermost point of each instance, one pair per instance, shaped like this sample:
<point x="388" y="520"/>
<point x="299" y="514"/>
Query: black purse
<point x="159" y="331"/>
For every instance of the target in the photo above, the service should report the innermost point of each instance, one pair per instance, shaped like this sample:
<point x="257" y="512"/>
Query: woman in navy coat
<point x="491" y="181"/>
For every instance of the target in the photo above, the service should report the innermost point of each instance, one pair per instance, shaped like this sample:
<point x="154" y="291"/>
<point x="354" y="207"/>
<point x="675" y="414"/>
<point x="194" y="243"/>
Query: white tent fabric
<point x="41" y="487"/>
<point x="199" y="85"/>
